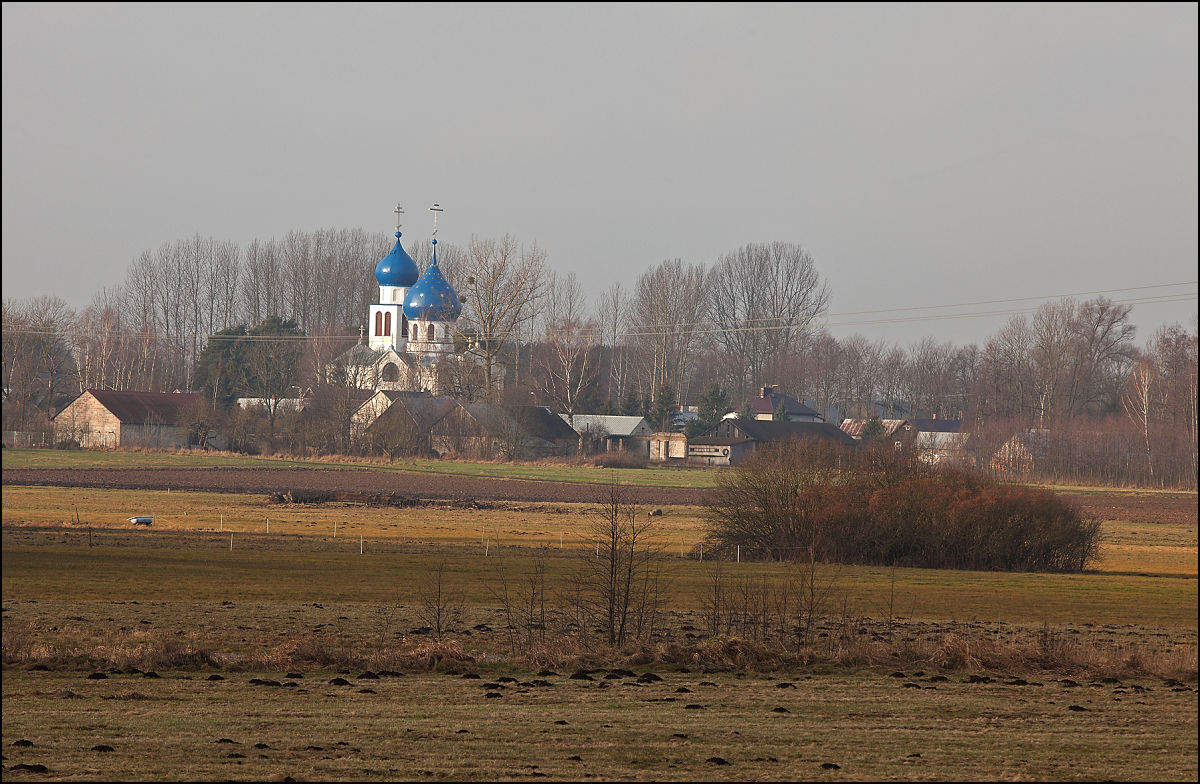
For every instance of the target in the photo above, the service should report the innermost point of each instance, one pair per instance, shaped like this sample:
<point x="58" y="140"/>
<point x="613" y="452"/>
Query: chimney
<point x="766" y="391"/>
<point x="935" y="416"/>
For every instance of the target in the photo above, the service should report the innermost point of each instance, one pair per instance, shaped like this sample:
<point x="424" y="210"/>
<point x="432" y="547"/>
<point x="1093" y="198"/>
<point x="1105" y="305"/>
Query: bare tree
<point x="503" y="282"/>
<point x="617" y="571"/>
<point x="612" y="313"/>
<point x="666" y="312"/>
<point x="1140" y="401"/>
<point x="435" y="599"/>
<point x="763" y="298"/>
<point x="570" y="357"/>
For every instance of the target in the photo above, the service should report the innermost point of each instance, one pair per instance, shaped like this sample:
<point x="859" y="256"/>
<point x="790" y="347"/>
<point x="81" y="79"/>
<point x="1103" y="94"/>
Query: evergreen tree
<point x="221" y="367"/>
<point x="663" y="409"/>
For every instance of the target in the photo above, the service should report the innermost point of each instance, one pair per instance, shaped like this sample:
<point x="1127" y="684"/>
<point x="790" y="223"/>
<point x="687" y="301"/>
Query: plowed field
<point x="414" y="484"/>
<point x="1130" y="507"/>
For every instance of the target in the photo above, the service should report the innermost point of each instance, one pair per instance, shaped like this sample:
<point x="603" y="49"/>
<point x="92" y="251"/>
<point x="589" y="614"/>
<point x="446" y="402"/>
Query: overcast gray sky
<point x="924" y="154"/>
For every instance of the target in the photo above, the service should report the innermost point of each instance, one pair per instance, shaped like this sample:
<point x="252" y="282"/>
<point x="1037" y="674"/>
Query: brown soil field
<point x="414" y="484"/>
<point x="1136" y="508"/>
<point x="1130" y="507"/>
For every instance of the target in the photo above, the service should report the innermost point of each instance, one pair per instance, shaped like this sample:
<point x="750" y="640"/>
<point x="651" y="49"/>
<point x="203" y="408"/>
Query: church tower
<point x="396" y="272"/>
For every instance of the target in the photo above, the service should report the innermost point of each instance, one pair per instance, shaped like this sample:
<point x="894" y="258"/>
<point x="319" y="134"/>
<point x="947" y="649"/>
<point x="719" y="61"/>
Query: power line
<point x="709" y="326"/>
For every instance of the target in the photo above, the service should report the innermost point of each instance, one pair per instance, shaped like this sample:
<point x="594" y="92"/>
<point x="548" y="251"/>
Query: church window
<point x="378" y="323"/>
<point x="430" y="334"/>
<point x="403" y="325"/>
<point x="387" y="323"/>
<point x="391" y="372"/>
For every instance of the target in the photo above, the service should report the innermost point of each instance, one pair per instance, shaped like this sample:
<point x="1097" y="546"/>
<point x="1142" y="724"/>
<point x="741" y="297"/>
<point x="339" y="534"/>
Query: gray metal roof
<point x="619" y="426"/>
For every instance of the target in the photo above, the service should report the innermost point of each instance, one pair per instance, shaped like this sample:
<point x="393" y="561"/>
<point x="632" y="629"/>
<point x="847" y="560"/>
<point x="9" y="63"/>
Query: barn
<point x="108" y="418"/>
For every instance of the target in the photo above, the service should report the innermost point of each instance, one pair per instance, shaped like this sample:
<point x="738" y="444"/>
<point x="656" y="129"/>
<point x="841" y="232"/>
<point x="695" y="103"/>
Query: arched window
<point x="430" y="333"/>
<point x="391" y="372"/>
<point x="403" y="325"/>
<point x="378" y="323"/>
<point x="387" y="323"/>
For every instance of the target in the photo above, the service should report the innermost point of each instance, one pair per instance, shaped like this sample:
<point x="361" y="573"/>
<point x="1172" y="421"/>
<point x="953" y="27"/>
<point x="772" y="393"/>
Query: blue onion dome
<point x="397" y="268"/>
<point x="433" y="298"/>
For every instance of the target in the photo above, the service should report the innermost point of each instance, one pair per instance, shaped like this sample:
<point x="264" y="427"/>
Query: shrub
<point x="803" y="500"/>
<point x="620" y="460"/>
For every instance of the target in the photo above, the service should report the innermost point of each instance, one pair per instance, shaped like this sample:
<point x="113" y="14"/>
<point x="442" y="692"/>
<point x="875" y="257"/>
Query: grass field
<point x="913" y="674"/>
<point x="832" y="726"/>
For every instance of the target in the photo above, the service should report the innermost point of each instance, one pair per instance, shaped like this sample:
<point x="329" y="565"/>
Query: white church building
<point x="410" y="328"/>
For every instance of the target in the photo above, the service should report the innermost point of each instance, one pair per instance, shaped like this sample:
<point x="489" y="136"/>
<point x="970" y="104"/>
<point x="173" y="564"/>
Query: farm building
<point x="406" y="426"/>
<point x="668" y="447"/>
<point x="742" y="436"/>
<point x="599" y="433"/>
<point x="942" y="441"/>
<point x="481" y="430"/>
<point x="106" y="418"/>
<point x="1023" y="453"/>
<point x="900" y="433"/>
<point x="373" y="405"/>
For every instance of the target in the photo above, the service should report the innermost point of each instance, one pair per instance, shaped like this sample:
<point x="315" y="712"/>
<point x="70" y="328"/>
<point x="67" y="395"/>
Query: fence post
<point x="739" y="555"/>
<point x="360" y="552"/>
<point x="231" y="541"/>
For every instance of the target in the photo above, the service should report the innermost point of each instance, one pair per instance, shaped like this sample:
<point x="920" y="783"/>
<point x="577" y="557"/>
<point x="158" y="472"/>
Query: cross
<point x="435" y="209"/>
<point x="360" y="330"/>
<point x="399" y="211"/>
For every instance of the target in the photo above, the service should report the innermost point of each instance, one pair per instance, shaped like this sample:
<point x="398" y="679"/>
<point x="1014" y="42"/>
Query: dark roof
<point x="145" y="408"/>
<point x="541" y="422"/>
<point x="771" y="403"/>
<point x="763" y="430"/>
<point x="938" y="425"/>
<point x="420" y="409"/>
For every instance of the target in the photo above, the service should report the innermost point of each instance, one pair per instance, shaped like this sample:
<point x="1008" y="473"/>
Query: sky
<point x="984" y="157"/>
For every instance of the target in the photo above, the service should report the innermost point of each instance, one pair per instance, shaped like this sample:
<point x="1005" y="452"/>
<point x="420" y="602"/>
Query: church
<point x="410" y="329"/>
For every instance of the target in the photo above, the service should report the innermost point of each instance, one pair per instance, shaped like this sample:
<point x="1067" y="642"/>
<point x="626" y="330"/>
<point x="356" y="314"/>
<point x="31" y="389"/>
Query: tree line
<point x="681" y="334"/>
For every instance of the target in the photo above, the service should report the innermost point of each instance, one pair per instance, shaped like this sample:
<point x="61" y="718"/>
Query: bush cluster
<point x="801" y="499"/>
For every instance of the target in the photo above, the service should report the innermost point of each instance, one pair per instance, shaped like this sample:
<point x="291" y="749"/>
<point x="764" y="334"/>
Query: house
<point x="483" y="431"/>
<point x="776" y="406"/>
<point x="598" y="432"/>
<point x="1023" y="453"/>
<point x="106" y="419"/>
<point x="900" y="433"/>
<point x="942" y="441"/>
